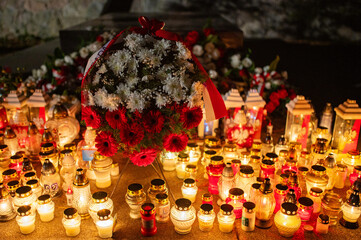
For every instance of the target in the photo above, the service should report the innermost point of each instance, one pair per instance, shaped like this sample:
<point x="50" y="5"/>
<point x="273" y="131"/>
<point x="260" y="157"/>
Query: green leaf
<point x="273" y="64"/>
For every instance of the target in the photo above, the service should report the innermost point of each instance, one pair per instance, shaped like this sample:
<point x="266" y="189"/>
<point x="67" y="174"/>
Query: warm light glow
<point x="46" y="212"/>
<point x="190" y="193"/>
<point x="72" y="227"/>
<point x="206" y="221"/>
<point x="287" y="225"/>
<point x="226" y="223"/>
<point x="105" y="228"/>
<point x="26" y="224"/>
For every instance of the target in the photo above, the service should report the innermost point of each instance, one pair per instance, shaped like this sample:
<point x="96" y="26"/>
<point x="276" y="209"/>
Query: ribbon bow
<point x="148" y="26"/>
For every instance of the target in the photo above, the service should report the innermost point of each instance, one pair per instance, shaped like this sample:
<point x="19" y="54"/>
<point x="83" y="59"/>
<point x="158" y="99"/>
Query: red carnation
<point x="153" y="121"/>
<point x="208" y="31"/>
<point x="131" y="134"/>
<point x="91" y="117"/>
<point x="282" y="93"/>
<point x="143" y="158"/>
<point x="191" y="117"/>
<point x="270" y="107"/>
<point x="191" y="39"/>
<point x="274" y="97"/>
<point x="175" y="142"/>
<point x="106" y="144"/>
<point x="116" y="119"/>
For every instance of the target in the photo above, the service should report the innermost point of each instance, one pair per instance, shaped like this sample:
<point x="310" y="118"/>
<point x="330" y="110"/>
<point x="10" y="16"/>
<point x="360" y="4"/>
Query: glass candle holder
<point x="244" y="180"/>
<point x="183" y="160"/>
<point x="45" y="207"/>
<point x="7" y="211"/>
<point x="114" y="171"/>
<point x="281" y="145"/>
<point x="267" y="145"/>
<point x="9" y="175"/>
<point x="27" y="167"/>
<point x="183" y="216"/>
<point x="355" y="174"/>
<point x="331" y="205"/>
<point x="305" y="208"/>
<point x="230" y="152"/>
<point x="286" y="220"/>
<point x="71" y="222"/>
<point x="162" y="207"/>
<point x="253" y="191"/>
<point x="267" y="169"/>
<point x="290" y="165"/>
<point x="352" y="159"/>
<point x="341" y="175"/>
<point x="293" y="184"/>
<point x="305" y="160"/>
<point x="156" y="186"/>
<point x="12" y="186"/>
<point x="206" y="217"/>
<point x="207" y="198"/>
<point x="10" y="139"/>
<point x="35" y="187"/>
<point x="100" y="201"/>
<point x="24" y="196"/>
<point x="189" y="189"/>
<point x="191" y="171"/>
<point x="48" y="151"/>
<point x="330" y="164"/>
<point x="236" y="163"/>
<point x="81" y="193"/>
<point x="315" y="195"/>
<point x="323" y="222"/>
<point x="101" y="166"/>
<point x="282" y="157"/>
<point x="214" y="144"/>
<point x="26" y="219"/>
<point x="28" y="176"/>
<point x="225" y="183"/>
<point x="302" y="172"/>
<point x="351" y="211"/>
<point x="68" y="169"/>
<point x="236" y="199"/>
<point x="194" y="152"/>
<point x="316" y="177"/>
<point x="214" y="171"/>
<point x="50" y="179"/>
<point x="280" y="194"/>
<point x="16" y="162"/>
<point x="135" y="197"/>
<point x="265" y="205"/>
<point x="104" y="223"/>
<point x="248" y="217"/>
<point x="255" y="163"/>
<point x="206" y="160"/>
<point x="290" y="197"/>
<point x="149" y="227"/>
<point x="4" y="157"/>
<point x="33" y="141"/>
<point x="226" y="218"/>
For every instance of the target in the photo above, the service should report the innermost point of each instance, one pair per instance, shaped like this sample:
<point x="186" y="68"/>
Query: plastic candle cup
<point x="230" y="152"/>
<point x="236" y="199"/>
<point x="189" y="189"/>
<point x="183" y="160"/>
<point x="24" y="196"/>
<point x="253" y="191"/>
<point x="355" y="174"/>
<point x="206" y="160"/>
<point x="267" y="169"/>
<point x="71" y="222"/>
<point x="26" y="219"/>
<point x="149" y="227"/>
<point x="244" y="179"/>
<point x="135" y="197"/>
<point x="169" y="160"/>
<point x="100" y="201"/>
<point x="213" y="143"/>
<point x="156" y="186"/>
<point x="255" y="164"/>
<point x="206" y="217"/>
<point x="114" y="171"/>
<point x="323" y="222"/>
<point x="248" y="217"/>
<point x="183" y="216"/>
<point x="12" y="186"/>
<point x="226" y="218"/>
<point x="45" y="207"/>
<point x="207" y="198"/>
<point x="286" y="220"/>
<point x="236" y="163"/>
<point x="305" y="208"/>
<point x="35" y="186"/>
<point x="162" y="206"/>
<point x="105" y="223"/>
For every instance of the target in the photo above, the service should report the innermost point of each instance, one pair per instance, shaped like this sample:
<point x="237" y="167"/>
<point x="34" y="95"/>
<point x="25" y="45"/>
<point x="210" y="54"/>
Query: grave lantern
<point x="255" y="104"/>
<point x="38" y="104"/>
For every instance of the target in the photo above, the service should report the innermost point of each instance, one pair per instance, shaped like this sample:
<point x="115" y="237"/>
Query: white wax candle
<point x="190" y="193"/>
<point x="46" y="212"/>
<point x="103" y="182"/>
<point x="105" y="228"/>
<point x="72" y="230"/>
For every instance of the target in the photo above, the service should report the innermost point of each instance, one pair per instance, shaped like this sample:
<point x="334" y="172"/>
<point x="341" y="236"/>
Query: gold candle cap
<point x="318" y="169"/>
<point x="289" y="208"/>
<point x="60" y="111"/>
<point x="189" y="182"/>
<point x="305" y="154"/>
<point x="157" y="184"/>
<point x="70" y="213"/>
<point x="303" y="170"/>
<point x="217" y="160"/>
<point x="162" y="198"/>
<point x="355" y="154"/>
<point x="70" y="146"/>
<point x="47" y="147"/>
<point x="100" y="197"/>
<point x="304" y="202"/>
<point x="212" y="142"/>
<point x="210" y="153"/>
<point x="249" y="206"/>
<point x="255" y="152"/>
<point x="236" y="193"/>
<point x="255" y="159"/>
<point x="236" y="162"/>
<point x="206" y="209"/>
<point x="281" y="189"/>
<point x="256" y="145"/>
<point x="207" y="197"/>
<point x="323" y="218"/>
<point x="13" y="185"/>
<point x="191" y="168"/>
<point x="47" y="136"/>
<point x="135" y="189"/>
<point x="226" y="209"/>
<point x="341" y="167"/>
<point x="10" y="173"/>
<point x="103" y="214"/>
<point x="268" y="163"/>
<point x="66" y="152"/>
<point x="230" y="147"/>
<point x="147" y="209"/>
<point x="246" y="172"/>
<point x="80" y="178"/>
<point x="98" y="156"/>
<point x="16" y="159"/>
<point x="284" y="153"/>
<point x="44" y="199"/>
<point x="24" y="191"/>
<point x="24" y="210"/>
<point x="192" y="147"/>
<point x="4" y="148"/>
<point x="272" y="156"/>
<point x="183" y="204"/>
<point x="316" y="192"/>
<point x="183" y="157"/>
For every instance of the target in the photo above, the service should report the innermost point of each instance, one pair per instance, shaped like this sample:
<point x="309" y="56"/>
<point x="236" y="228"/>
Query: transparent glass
<point x="135" y="202"/>
<point x="7" y="211"/>
<point x="67" y="128"/>
<point x="51" y="184"/>
<point x="245" y="183"/>
<point x="265" y="206"/>
<point x="67" y="173"/>
<point x="316" y="179"/>
<point x="183" y="220"/>
<point x="162" y="212"/>
<point x="21" y="201"/>
<point x="287" y="225"/>
<point x="344" y="134"/>
<point x="12" y="144"/>
<point x="226" y="222"/>
<point x="190" y="192"/>
<point x="94" y="207"/>
<point x="350" y="213"/>
<point x="46" y="211"/>
<point x="105" y="228"/>
<point x="205" y="221"/>
<point x="297" y="128"/>
<point x="81" y="199"/>
<point x="331" y="206"/>
<point x="26" y="223"/>
<point x="181" y="169"/>
<point x="169" y="160"/>
<point x="72" y="226"/>
<point x="224" y="185"/>
<point x="19" y="123"/>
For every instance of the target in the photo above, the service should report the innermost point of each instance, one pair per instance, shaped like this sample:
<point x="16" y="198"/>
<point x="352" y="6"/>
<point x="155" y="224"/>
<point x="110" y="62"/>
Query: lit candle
<point x="182" y="162"/>
<point x="189" y="189"/>
<point x="351" y="211"/>
<point x="183" y="216"/>
<point x="305" y="208"/>
<point x="169" y="160"/>
<point x="286" y="220"/>
<point x="226" y="218"/>
<point x="71" y="222"/>
<point x="105" y="224"/>
<point x="102" y="165"/>
<point x="194" y="152"/>
<point x="26" y="219"/>
<point x="100" y="201"/>
<point x="45" y="207"/>
<point x="206" y="217"/>
<point x="323" y="222"/>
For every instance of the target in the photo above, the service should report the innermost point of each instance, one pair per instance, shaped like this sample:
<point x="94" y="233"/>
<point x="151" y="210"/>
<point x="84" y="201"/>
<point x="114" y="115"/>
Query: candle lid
<point x="305" y="154"/>
<point x="236" y="161"/>
<point x="183" y="204"/>
<point x="70" y="213"/>
<point x="4" y="148"/>
<point x="305" y="202"/>
<point x="60" y="111"/>
<point x="27" y="165"/>
<point x="249" y="206"/>
<point x="230" y="148"/>
<point x="191" y="168"/>
<point x="268" y="163"/>
<point x="256" y="186"/>
<point x="353" y="154"/>
<point x="33" y="183"/>
<point x="70" y="146"/>
<point x="236" y="193"/>
<point x="157" y="184"/>
<point x="162" y="198"/>
<point x="207" y="197"/>
<point x="281" y="188"/>
<point x="9" y="133"/>
<point x="101" y="162"/>
<point x="255" y="152"/>
<point x="256" y="145"/>
<point x="354" y="199"/>
<point x="66" y="152"/>
<point x="135" y="189"/>
<point x="24" y="210"/>
<point x="318" y="169"/>
<point x="266" y="186"/>
<point x="13" y="185"/>
<point x="48" y="168"/>
<point x="32" y="129"/>
<point x="246" y="171"/>
<point x="100" y="197"/>
<point x="330" y="161"/>
<point x="16" y="159"/>
<point x="4" y="194"/>
<point x="210" y="153"/>
<point x="80" y="178"/>
<point x="47" y="147"/>
<point x="228" y="171"/>
<point x="299" y="105"/>
<point x="23" y="192"/>
<point x="316" y="192"/>
<point x="282" y="140"/>
<point x="284" y="153"/>
<point x="30" y="175"/>
<point x="323" y="218"/>
<point x="341" y="167"/>
<point x="10" y="173"/>
<point x="289" y="208"/>
<point x="192" y="147"/>
<point x="146" y="209"/>
<point x="47" y="136"/>
<point x="212" y="142"/>
<point x="183" y="157"/>
<point x="44" y="199"/>
<point x="290" y="196"/>
<point x="206" y="209"/>
<point x="233" y="99"/>
<point x="226" y="209"/>
<point x="272" y="156"/>
<point x="104" y="214"/>
<point x="189" y="182"/>
<point x="293" y="179"/>
<point x="357" y="169"/>
<point x="303" y="170"/>
<point x="38" y="99"/>
<point x="320" y="146"/>
<point x="216" y="160"/>
<point x="349" y="110"/>
<point x="255" y="159"/>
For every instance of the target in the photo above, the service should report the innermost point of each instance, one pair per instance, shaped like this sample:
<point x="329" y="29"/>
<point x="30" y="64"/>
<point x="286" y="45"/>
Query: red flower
<point x="106" y="144"/>
<point x="191" y="39"/>
<point x="208" y="31"/>
<point x="91" y="117"/>
<point x="274" y="97"/>
<point x="191" y="117"/>
<point x="153" y="121"/>
<point x="243" y="73"/>
<point x="282" y="93"/>
<point x="116" y="119"/>
<point x="100" y="39"/>
<point x="143" y="158"/>
<point x="270" y="107"/>
<point x="175" y="142"/>
<point x="131" y="134"/>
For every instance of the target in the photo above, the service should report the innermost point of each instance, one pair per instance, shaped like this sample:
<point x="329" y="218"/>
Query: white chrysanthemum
<point x="236" y="60"/>
<point x="161" y="75"/>
<point x="171" y="85"/>
<point x="102" y="68"/>
<point x="161" y="100"/>
<point x="135" y="102"/>
<point x="147" y="94"/>
<point x="133" y="41"/>
<point x="147" y="78"/>
<point x="100" y="97"/>
<point x="179" y="95"/>
<point x="84" y="52"/>
<point x="149" y="39"/>
<point x="59" y="62"/>
<point x="185" y="81"/>
<point x="133" y="66"/>
<point x="183" y="52"/>
<point x="119" y="60"/>
<point x="162" y="46"/>
<point x="190" y="66"/>
<point x="145" y="55"/>
<point x="132" y="81"/>
<point x="96" y="78"/>
<point x="247" y="62"/>
<point x="68" y="60"/>
<point x="212" y="74"/>
<point x="155" y="60"/>
<point x="74" y="55"/>
<point x="123" y="92"/>
<point x="112" y="102"/>
<point x="198" y="50"/>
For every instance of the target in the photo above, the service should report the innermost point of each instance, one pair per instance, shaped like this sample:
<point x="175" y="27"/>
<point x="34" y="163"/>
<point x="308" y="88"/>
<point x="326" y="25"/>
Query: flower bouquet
<point x="143" y="92"/>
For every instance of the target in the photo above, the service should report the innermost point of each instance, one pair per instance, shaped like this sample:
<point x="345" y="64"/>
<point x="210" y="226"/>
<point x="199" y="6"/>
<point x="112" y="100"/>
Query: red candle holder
<point x="16" y="162"/>
<point x="214" y="171"/>
<point x="207" y="199"/>
<point x="280" y="194"/>
<point x="147" y="212"/>
<point x="305" y="208"/>
<point x="356" y="174"/>
<point x="267" y="169"/>
<point x="290" y="165"/>
<point x="236" y="164"/>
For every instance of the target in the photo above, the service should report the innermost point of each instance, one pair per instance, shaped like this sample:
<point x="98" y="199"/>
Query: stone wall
<point x="44" y="18"/>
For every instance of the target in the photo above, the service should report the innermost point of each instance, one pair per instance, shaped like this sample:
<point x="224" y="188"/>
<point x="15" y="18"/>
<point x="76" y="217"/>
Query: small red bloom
<point x="131" y="134"/>
<point x="274" y="97"/>
<point x="106" y="144"/>
<point x="282" y="93"/>
<point x="175" y="142"/>
<point x="143" y="158"/>
<point x="153" y="121"/>
<point x="208" y="31"/>
<point x="100" y="39"/>
<point x="191" y="117"/>
<point x="243" y="73"/>
<point x="116" y="119"/>
<point x="91" y="117"/>
<point x="270" y="107"/>
<point x="191" y="39"/>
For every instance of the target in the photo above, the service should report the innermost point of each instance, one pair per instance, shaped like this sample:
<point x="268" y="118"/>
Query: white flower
<point x="132" y="81"/>
<point x="145" y="55"/>
<point x="118" y="61"/>
<point x="190" y="66"/>
<point x="123" y="91"/>
<point x="133" y="41"/>
<point x="68" y="60"/>
<point x="133" y="66"/>
<point x="178" y="95"/>
<point x="147" y="78"/>
<point x="266" y="68"/>
<point x="213" y="74"/>
<point x="91" y="101"/>
<point x="84" y="52"/>
<point x="112" y="102"/>
<point x="161" y="47"/>
<point x="93" y="47"/>
<point x="276" y="82"/>
<point x="149" y="39"/>
<point x="198" y="50"/>
<point x="267" y="85"/>
<point x="135" y="102"/>
<point x="171" y="85"/>
<point x="247" y="62"/>
<point x="100" y="97"/>
<point x="59" y="62"/>
<point x="160" y="100"/>
<point x="102" y="68"/>
<point x="258" y="70"/>
<point x="74" y="55"/>
<point x="184" y="53"/>
<point x="43" y="68"/>
<point x="236" y="60"/>
<point x="96" y="78"/>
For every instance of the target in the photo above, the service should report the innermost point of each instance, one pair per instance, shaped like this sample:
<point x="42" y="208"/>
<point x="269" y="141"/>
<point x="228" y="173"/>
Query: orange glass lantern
<point x="255" y="104"/>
